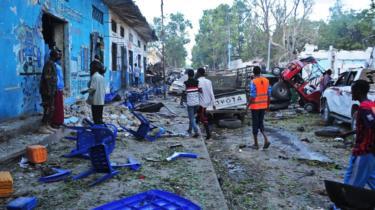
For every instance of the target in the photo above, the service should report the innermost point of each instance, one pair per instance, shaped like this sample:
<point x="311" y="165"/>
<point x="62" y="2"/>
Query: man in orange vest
<point x="260" y="92"/>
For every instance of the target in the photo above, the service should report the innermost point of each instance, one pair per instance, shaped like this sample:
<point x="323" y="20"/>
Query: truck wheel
<point x="309" y="107"/>
<point x="326" y="114"/>
<point x="230" y="123"/>
<point x="280" y="90"/>
<point x="277" y="71"/>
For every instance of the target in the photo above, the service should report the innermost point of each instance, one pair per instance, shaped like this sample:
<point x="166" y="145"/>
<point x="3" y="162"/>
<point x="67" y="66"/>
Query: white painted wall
<point x="124" y="41"/>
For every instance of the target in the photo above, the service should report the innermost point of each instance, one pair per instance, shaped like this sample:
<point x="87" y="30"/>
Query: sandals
<point x="266" y="145"/>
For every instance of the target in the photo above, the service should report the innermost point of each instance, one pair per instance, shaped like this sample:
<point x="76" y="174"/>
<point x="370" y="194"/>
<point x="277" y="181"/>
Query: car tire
<point x="230" y="123"/>
<point x="309" y="107"/>
<point x="326" y="114"/>
<point x="281" y="91"/>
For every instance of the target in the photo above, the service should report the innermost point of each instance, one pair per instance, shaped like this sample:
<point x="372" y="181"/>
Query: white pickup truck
<point x="336" y="101"/>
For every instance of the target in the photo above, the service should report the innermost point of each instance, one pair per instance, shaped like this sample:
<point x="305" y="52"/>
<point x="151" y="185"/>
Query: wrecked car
<point x="336" y="101"/>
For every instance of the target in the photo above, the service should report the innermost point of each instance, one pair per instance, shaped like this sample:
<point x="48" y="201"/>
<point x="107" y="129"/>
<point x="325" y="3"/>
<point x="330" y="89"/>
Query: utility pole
<point x="163" y="45"/>
<point x="269" y="53"/>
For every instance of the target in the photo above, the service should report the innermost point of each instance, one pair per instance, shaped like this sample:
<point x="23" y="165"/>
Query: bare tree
<point x="286" y="18"/>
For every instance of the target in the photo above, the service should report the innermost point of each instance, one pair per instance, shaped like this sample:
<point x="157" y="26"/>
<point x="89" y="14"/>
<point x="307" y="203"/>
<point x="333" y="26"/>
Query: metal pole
<point x="269" y="53"/>
<point x="163" y="52"/>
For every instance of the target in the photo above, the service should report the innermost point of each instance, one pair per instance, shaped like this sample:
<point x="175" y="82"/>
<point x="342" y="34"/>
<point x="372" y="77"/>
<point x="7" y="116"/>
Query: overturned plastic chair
<point x="86" y="137"/>
<point x="350" y="197"/>
<point x="101" y="163"/>
<point x="145" y="130"/>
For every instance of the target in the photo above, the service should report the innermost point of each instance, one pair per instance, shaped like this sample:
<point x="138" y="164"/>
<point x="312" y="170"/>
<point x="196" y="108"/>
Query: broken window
<point x="122" y="31"/>
<point x="114" y="26"/>
<point x="97" y="14"/>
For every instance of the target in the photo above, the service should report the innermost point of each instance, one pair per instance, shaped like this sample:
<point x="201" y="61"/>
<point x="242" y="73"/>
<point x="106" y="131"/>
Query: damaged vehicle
<point x="336" y="101"/>
<point x="231" y="90"/>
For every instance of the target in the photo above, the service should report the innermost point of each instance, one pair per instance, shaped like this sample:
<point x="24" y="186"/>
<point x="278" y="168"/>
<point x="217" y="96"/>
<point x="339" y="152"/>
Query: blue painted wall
<point x="23" y="49"/>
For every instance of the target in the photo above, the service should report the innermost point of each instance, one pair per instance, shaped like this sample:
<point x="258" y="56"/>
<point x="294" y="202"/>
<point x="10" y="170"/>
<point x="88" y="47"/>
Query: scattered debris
<point x="181" y="154"/>
<point x="71" y="120"/>
<point x="24" y="162"/>
<point x="176" y="146"/>
<point x="54" y="175"/>
<point x="329" y="131"/>
<point x="36" y="154"/>
<point x="301" y="129"/>
<point x="306" y="140"/>
<point x="6" y="184"/>
<point x="23" y="203"/>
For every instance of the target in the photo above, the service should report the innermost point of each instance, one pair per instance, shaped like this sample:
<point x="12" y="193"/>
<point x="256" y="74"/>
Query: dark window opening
<point x="130" y="37"/>
<point x="139" y="44"/>
<point x="114" y="57"/>
<point x="144" y="48"/>
<point x="97" y="14"/>
<point x="122" y="31"/>
<point x="114" y="26"/>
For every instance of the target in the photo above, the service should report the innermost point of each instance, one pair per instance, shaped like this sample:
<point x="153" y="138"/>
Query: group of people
<point x="199" y="96"/>
<point x="51" y="91"/>
<point x="52" y="86"/>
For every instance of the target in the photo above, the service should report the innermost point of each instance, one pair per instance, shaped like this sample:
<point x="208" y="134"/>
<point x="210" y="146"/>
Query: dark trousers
<point x="48" y="103"/>
<point x="97" y="113"/>
<point x="257" y="116"/>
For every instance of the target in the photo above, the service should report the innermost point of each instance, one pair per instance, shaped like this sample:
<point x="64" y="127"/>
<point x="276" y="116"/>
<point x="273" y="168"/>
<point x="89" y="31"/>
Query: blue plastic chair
<point x="153" y="199"/>
<point x="100" y="161"/>
<point x="144" y="129"/>
<point x="87" y="137"/>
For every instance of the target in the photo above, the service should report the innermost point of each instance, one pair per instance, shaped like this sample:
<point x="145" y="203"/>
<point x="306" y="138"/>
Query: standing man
<point x="260" y="92"/>
<point x="192" y="101"/>
<point x="206" y="99"/>
<point x="137" y="72"/>
<point x="58" y="116"/>
<point x="361" y="169"/>
<point x="47" y="90"/>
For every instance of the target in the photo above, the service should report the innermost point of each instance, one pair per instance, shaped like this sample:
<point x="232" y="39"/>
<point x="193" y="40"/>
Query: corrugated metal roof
<point x="129" y="12"/>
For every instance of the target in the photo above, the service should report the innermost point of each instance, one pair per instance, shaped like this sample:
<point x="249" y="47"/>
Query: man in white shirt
<point x="97" y="88"/>
<point x="206" y="99"/>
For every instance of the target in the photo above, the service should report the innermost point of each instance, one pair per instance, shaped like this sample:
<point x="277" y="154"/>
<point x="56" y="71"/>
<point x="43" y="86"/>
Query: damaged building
<point x="115" y="30"/>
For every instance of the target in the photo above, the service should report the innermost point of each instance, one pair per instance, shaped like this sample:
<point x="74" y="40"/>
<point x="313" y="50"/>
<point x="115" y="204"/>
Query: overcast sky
<point x="193" y="10"/>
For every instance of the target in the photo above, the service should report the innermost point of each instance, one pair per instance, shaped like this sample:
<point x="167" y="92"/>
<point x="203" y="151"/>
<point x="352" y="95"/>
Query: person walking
<point x="361" y="169"/>
<point x="192" y="101"/>
<point x="260" y="92"/>
<point x="137" y="72"/>
<point x="47" y="90"/>
<point x="96" y="91"/>
<point x="206" y="99"/>
<point x="58" y="116"/>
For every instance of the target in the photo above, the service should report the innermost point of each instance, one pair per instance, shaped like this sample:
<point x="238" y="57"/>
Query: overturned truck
<point x="231" y="90"/>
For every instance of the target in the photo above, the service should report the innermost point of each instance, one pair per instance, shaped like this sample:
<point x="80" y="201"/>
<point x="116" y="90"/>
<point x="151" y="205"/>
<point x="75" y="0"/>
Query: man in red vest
<point x="260" y="92"/>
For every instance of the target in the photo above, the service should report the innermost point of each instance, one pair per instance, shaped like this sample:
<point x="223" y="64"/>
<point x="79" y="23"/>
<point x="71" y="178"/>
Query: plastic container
<point x="36" y="153"/>
<point x="6" y="184"/>
<point x="22" y="203"/>
<point x="151" y="200"/>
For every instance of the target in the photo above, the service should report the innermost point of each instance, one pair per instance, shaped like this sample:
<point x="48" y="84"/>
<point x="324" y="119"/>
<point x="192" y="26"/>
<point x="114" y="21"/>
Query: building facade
<point x="80" y="29"/>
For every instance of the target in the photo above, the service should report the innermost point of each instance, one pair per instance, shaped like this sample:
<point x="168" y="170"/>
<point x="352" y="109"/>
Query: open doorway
<point x="53" y="30"/>
<point x="131" y="68"/>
